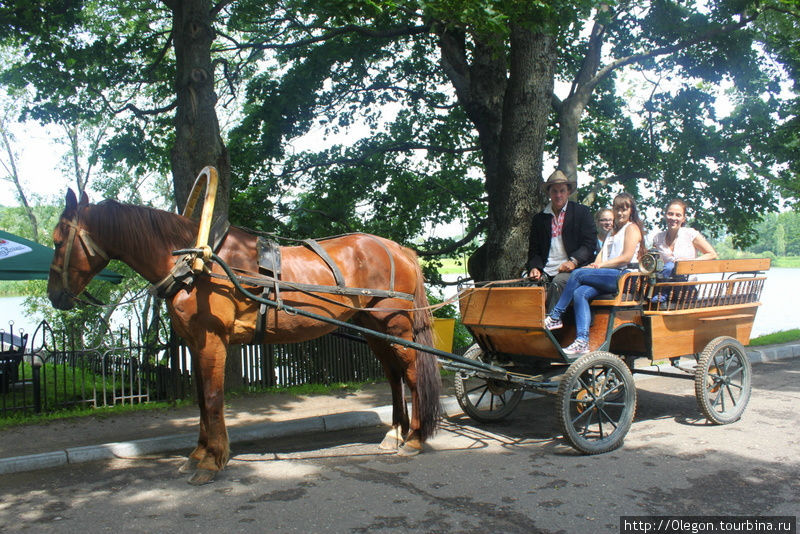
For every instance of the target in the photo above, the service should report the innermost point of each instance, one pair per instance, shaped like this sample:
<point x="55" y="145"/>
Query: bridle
<point x="88" y="243"/>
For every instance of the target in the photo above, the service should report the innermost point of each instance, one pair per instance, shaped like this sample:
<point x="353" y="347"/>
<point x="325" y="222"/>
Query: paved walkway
<point x="248" y="418"/>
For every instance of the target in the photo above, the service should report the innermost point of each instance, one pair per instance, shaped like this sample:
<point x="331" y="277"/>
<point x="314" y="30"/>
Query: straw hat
<point x="558" y="177"/>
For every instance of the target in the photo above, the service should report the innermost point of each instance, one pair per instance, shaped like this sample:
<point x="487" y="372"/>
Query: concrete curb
<point x="324" y="423"/>
<point x="775" y="352"/>
<point x="142" y="447"/>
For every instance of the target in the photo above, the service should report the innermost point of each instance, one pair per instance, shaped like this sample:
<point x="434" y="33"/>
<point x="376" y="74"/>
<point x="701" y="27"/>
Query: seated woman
<point x="604" y="220"/>
<point x="679" y="242"/>
<point x="623" y="244"/>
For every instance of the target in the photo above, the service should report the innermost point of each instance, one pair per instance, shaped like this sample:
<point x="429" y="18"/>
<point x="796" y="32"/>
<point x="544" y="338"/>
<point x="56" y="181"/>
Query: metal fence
<point x="56" y="371"/>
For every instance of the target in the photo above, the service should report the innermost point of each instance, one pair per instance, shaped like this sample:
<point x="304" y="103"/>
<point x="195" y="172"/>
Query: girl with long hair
<point x="623" y="246"/>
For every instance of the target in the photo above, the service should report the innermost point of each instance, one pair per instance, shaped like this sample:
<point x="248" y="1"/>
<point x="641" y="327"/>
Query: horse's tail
<point x="429" y="381"/>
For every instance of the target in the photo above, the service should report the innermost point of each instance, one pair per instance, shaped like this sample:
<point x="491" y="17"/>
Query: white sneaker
<point x="552" y="324"/>
<point x="579" y="346"/>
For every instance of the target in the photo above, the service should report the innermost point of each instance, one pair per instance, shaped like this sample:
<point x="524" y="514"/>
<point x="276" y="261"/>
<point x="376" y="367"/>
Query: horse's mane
<point x="141" y="228"/>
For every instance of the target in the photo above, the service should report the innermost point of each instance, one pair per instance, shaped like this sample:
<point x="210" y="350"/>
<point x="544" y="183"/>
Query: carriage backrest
<point x="741" y="282"/>
<point x="749" y="265"/>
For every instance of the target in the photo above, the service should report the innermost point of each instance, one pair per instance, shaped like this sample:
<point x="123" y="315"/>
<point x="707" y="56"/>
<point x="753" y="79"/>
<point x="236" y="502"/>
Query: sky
<point x="38" y="164"/>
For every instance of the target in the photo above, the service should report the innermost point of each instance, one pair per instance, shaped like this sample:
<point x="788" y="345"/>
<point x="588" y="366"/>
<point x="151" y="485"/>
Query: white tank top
<point x="614" y="244"/>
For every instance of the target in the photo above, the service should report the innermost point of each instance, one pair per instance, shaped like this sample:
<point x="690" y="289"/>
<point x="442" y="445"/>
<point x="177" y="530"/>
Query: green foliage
<point x="784" y="336"/>
<point x="342" y="117"/>
<point x="61" y="385"/>
<point x="15" y="220"/>
<point x="778" y="233"/>
<point x="16" y="419"/>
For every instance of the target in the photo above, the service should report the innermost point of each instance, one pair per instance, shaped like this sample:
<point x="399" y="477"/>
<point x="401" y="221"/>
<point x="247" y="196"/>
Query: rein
<point x="261" y="281"/>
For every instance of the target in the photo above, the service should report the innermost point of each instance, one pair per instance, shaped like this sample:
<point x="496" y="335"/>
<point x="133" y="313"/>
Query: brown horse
<point x="212" y="313"/>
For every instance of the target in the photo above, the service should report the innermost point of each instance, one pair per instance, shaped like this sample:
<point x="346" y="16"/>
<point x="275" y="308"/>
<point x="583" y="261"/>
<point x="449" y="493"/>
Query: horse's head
<point x="77" y="257"/>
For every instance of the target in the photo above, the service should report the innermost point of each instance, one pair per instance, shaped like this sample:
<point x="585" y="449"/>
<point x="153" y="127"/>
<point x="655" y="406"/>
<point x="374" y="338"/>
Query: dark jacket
<point x="579" y="234"/>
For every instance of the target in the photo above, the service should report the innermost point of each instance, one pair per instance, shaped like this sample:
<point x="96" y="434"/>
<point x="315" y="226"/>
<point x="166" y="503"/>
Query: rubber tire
<point x="731" y="350"/>
<point x="569" y="411"/>
<point x="495" y="388"/>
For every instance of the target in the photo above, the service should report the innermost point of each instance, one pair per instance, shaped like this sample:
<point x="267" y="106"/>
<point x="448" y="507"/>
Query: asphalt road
<point x="517" y="476"/>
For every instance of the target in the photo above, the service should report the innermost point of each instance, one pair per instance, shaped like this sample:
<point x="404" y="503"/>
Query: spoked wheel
<point x="485" y="400"/>
<point x="722" y="380"/>
<point x="596" y="402"/>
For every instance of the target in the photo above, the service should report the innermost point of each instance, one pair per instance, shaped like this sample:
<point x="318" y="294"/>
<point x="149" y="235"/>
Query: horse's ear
<point x="71" y="201"/>
<point x="84" y="199"/>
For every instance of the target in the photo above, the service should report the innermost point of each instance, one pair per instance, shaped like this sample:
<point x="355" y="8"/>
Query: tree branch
<point x="472" y="234"/>
<point x="215" y="10"/>
<point x="617" y="179"/>
<point x="400" y="147"/>
<point x="349" y="29"/>
<point x="141" y="113"/>
<point x="636" y="58"/>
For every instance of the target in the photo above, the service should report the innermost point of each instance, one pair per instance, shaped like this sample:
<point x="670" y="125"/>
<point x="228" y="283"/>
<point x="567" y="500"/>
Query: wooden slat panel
<point x="514" y="307"/>
<point x="679" y="334"/>
<point x="708" y="309"/>
<point x="725" y="317"/>
<point x="519" y="342"/>
<point x="721" y="266"/>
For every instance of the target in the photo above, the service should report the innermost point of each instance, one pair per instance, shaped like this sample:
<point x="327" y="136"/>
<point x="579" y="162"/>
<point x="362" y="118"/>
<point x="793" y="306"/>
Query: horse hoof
<point x="188" y="466"/>
<point x="391" y="442"/>
<point x="408" y="450"/>
<point x="202" y="476"/>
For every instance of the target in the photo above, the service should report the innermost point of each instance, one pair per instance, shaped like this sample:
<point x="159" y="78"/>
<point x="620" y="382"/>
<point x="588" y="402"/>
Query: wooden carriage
<point x="708" y="317"/>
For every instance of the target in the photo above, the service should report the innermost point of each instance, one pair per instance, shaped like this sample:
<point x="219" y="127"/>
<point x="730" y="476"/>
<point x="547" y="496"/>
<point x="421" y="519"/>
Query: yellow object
<point x="443" y="334"/>
<point x="208" y="178"/>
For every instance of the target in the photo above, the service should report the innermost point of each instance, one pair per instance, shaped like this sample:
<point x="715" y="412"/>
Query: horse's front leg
<point x="213" y="448"/>
<point x="200" y="451"/>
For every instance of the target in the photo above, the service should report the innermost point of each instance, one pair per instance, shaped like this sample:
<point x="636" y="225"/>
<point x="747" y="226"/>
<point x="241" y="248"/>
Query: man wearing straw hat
<point x="562" y="237"/>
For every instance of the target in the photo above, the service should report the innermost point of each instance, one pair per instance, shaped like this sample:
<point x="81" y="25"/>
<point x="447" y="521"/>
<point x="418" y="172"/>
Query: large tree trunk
<point x="515" y="192"/>
<point x="510" y="115"/>
<point x="197" y="137"/>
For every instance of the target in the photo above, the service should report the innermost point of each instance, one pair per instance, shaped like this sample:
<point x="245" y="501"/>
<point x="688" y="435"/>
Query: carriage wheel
<point x="596" y="402"/>
<point x="484" y="399"/>
<point x="722" y="380"/>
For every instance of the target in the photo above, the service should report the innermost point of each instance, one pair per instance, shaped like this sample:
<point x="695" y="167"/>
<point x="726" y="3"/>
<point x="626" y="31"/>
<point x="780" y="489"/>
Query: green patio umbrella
<point x="21" y="259"/>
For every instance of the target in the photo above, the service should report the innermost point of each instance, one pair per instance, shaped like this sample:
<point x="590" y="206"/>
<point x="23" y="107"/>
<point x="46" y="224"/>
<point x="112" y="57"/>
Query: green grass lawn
<point x="20" y="418"/>
<point x="453" y="266"/>
<point x="775" y="338"/>
<point x="787" y="262"/>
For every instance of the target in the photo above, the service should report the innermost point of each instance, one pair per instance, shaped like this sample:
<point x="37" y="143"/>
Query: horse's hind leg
<point x="394" y="437"/>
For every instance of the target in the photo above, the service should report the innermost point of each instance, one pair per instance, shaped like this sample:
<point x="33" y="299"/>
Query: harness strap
<point x="337" y="274"/>
<point x="247" y="280"/>
<point x="391" y="260"/>
<point x="182" y="275"/>
<point x="269" y="259"/>
<point x="262" y="281"/>
<point x="91" y="247"/>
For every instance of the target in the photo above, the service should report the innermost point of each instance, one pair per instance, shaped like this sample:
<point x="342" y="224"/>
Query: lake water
<point x="777" y="312"/>
<point x="778" y="309"/>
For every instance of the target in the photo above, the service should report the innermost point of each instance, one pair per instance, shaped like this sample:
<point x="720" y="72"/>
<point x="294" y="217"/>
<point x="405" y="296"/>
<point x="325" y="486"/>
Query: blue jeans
<point x="584" y="285"/>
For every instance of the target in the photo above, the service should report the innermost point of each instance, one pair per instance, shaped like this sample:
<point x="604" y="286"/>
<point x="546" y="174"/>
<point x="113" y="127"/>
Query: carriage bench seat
<point x="631" y="290"/>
